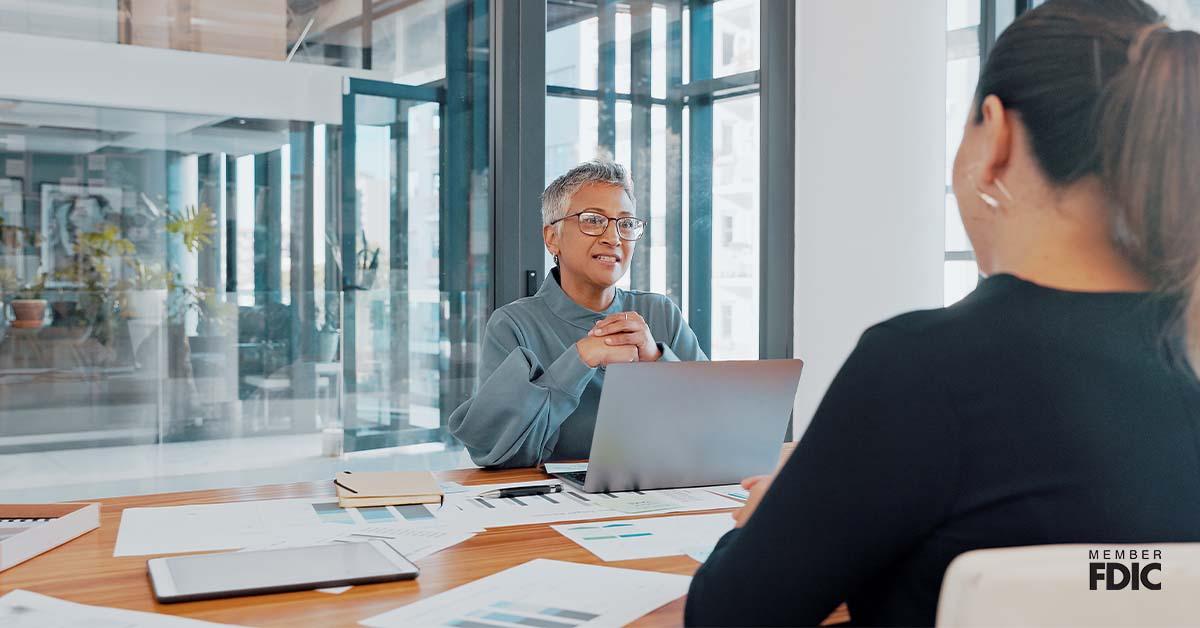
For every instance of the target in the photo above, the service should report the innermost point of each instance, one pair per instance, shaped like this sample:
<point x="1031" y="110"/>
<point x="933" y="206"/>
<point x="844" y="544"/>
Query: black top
<point x="1022" y="415"/>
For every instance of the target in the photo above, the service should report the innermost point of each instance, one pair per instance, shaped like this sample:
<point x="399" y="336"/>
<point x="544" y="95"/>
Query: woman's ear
<point x="550" y="236"/>
<point x="997" y="137"/>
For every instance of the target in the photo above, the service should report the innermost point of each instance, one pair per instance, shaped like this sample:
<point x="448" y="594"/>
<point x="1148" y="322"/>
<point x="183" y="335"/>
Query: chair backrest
<point x="1051" y="585"/>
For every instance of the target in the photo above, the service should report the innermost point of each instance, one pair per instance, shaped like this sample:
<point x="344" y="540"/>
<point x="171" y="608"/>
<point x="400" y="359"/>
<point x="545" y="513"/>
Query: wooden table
<point x="85" y="571"/>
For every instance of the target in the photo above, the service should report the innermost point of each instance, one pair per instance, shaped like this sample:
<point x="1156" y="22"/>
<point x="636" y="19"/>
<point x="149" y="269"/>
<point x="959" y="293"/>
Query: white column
<point x="870" y="172"/>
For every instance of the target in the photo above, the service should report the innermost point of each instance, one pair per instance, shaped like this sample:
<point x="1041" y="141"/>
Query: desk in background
<point x="85" y="571"/>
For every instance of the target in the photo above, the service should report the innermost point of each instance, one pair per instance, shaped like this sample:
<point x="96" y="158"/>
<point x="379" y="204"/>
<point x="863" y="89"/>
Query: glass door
<point x="391" y="267"/>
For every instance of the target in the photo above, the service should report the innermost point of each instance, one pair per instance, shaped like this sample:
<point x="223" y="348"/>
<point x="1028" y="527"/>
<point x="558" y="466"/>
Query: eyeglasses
<point x="594" y="224"/>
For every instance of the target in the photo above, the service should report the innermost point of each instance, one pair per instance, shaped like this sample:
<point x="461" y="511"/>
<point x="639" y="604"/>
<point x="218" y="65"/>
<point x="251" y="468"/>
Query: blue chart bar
<point x="562" y="613"/>
<point x="376" y="514"/>
<point x="332" y="513"/>
<point x="414" y="512"/>
<point x="522" y="614"/>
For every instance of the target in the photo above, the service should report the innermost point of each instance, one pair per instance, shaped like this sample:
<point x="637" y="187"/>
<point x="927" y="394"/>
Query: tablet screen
<point x="236" y="571"/>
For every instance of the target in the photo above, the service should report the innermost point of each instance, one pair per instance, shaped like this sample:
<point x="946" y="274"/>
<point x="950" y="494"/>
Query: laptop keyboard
<point x="574" y="476"/>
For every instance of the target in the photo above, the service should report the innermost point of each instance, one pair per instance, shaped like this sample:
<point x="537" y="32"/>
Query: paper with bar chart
<point x="543" y="594"/>
<point x="649" y="538"/>
<point x="469" y="509"/>
<point x="211" y="527"/>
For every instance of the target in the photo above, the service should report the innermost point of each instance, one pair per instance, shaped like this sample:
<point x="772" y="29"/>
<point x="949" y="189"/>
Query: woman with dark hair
<point x="1059" y="402"/>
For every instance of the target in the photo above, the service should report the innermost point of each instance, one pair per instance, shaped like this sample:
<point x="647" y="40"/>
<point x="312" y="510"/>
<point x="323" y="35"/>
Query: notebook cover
<point x="382" y="488"/>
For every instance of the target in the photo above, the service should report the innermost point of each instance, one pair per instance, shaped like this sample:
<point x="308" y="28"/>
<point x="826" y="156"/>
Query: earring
<point x="556" y="260"/>
<point x="1003" y="189"/>
<point x="989" y="199"/>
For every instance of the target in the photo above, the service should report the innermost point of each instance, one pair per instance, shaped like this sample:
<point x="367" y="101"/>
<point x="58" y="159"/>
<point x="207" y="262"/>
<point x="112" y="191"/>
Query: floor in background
<point x="79" y="474"/>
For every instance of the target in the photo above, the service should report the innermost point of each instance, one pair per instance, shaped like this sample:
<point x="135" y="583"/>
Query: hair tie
<point x="1138" y="47"/>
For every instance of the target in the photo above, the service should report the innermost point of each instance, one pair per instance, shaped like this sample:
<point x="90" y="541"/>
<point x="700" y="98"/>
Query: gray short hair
<point x="557" y="196"/>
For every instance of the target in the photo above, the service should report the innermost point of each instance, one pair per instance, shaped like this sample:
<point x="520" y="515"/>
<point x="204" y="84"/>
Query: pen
<point x="522" y="491"/>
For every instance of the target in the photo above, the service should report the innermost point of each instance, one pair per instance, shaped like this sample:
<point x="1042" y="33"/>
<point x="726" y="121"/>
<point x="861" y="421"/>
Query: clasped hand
<point x="620" y="337"/>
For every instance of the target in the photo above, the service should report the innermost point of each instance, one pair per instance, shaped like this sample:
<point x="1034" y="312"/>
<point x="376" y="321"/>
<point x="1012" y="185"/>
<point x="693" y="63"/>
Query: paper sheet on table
<point x="211" y="527"/>
<point x="632" y="539"/>
<point x="731" y="490"/>
<point x="540" y="592"/>
<point x="565" y="467"/>
<point x="469" y="510"/>
<point x="26" y="609"/>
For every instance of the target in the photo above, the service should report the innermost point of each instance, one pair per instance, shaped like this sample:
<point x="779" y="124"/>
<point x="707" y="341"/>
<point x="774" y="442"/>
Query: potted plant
<point x="366" y="263"/>
<point x="327" y="337"/>
<point x="29" y="308"/>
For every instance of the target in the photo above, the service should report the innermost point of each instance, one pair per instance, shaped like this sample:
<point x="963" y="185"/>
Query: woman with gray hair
<point x="543" y="357"/>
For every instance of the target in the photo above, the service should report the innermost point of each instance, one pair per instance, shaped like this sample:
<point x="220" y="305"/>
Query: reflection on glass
<point x="735" y="228"/>
<point x="735" y="36"/>
<point x="409" y="45"/>
<point x="575" y="46"/>
<point x="571" y="134"/>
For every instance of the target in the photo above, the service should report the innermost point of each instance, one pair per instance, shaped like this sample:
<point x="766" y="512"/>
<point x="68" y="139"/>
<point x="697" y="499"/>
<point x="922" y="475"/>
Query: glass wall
<point x="171" y="277"/>
<point x="670" y="89"/>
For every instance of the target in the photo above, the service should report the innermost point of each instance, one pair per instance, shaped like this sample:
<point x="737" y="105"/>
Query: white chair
<point x="1049" y="585"/>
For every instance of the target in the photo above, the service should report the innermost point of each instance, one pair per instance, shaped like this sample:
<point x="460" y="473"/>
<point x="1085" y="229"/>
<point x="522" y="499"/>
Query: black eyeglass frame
<point x="641" y="224"/>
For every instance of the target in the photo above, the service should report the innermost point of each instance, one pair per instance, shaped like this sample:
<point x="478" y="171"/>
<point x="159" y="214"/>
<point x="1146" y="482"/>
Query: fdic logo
<point x="1120" y="569"/>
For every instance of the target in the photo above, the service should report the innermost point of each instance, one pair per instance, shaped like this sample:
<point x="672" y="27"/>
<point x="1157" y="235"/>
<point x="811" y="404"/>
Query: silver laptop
<point x="680" y="424"/>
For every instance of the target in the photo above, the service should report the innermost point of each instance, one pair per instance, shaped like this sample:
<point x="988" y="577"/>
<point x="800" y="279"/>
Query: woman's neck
<point x="585" y="293"/>
<point x="1067" y="245"/>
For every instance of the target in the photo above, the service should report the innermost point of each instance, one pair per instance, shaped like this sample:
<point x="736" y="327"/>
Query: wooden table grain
<point x="85" y="571"/>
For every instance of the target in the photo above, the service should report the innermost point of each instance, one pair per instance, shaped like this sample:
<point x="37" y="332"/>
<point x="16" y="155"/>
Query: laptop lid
<point x="679" y="424"/>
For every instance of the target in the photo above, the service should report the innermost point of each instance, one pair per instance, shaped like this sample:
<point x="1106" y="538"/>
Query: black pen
<point x="521" y="491"/>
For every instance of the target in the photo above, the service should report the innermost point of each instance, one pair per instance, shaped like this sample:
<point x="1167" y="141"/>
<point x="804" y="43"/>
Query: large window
<point x="670" y="89"/>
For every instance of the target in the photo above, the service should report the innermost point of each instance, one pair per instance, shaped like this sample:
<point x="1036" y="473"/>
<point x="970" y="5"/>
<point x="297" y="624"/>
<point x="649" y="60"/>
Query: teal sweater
<point x="537" y="398"/>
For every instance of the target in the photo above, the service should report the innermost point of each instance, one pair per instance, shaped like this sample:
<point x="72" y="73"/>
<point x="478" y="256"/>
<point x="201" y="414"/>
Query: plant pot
<point x="327" y="345"/>
<point x="29" y="313"/>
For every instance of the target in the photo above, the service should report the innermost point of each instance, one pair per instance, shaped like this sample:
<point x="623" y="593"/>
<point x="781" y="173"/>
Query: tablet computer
<point x="229" y="574"/>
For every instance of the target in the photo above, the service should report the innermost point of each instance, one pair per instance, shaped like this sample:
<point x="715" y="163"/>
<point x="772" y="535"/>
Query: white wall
<point x="870" y="171"/>
<point x="77" y="72"/>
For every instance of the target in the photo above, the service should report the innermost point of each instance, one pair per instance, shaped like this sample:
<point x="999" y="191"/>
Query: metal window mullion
<point x="349" y="233"/>
<point x="606" y="76"/>
<point x="231" y="213"/>
<point x="518" y="148"/>
<point x="367" y="41"/>
<point x="777" y="196"/>
<point x="641" y="133"/>
<point x="673" y="228"/>
<point x="700" y="169"/>
<point x="455" y="207"/>
<point x="987" y="28"/>
<point x="397" y="267"/>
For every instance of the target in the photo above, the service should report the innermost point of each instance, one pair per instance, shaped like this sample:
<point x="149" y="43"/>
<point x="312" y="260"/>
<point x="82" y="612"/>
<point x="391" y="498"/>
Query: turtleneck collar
<point x="562" y="305"/>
